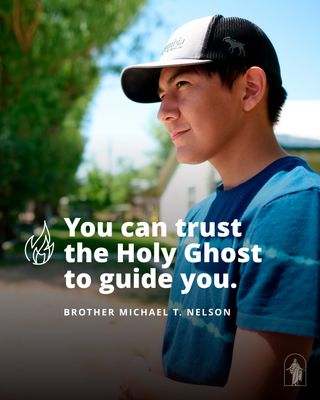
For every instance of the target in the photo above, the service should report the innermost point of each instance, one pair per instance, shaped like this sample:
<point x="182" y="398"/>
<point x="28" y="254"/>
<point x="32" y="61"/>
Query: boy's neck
<point x="253" y="153"/>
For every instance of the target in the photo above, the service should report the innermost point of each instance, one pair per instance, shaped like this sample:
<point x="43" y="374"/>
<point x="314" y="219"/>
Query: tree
<point x="159" y="156"/>
<point x="96" y="189"/>
<point x="163" y="144"/>
<point x="122" y="187"/>
<point x="48" y="72"/>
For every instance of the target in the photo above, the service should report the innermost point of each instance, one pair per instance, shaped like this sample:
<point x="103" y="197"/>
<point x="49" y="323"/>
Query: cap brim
<point x="140" y="82"/>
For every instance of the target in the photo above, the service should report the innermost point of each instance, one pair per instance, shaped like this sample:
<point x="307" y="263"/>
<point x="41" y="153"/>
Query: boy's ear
<point x="255" y="86"/>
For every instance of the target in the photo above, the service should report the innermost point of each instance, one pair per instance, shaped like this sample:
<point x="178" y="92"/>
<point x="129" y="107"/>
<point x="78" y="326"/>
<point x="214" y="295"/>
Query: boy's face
<point x="201" y="115"/>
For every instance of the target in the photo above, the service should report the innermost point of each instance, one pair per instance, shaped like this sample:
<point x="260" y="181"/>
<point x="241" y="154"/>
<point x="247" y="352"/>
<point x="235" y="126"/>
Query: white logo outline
<point x="44" y="251"/>
<point x="298" y="372"/>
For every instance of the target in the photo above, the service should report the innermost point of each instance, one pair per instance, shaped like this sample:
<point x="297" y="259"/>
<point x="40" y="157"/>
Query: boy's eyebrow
<point x="173" y="77"/>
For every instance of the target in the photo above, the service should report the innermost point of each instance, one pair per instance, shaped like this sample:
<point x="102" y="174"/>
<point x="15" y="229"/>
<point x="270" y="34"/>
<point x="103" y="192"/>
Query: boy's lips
<point x="176" y="134"/>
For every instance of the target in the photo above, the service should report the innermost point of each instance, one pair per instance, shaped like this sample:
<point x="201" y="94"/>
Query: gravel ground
<point x="46" y="355"/>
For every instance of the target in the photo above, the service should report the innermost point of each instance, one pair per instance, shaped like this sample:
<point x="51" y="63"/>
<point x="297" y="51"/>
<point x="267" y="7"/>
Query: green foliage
<point x="48" y="72"/>
<point x="122" y="183"/>
<point x="102" y="189"/>
<point x="96" y="189"/>
<point x="159" y="155"/>
<point x="163" y="144"/>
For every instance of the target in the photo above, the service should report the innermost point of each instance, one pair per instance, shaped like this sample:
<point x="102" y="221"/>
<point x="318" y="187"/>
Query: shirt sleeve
<point x="281" y="294"/>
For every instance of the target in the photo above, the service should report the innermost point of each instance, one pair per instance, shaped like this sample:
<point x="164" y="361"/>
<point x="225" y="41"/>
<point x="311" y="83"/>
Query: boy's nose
<point x="168" y="109"/>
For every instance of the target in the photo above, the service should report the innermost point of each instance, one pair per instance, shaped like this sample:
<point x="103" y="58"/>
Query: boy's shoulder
<point x="284" y="186"/>
<point x="298" y="182"/>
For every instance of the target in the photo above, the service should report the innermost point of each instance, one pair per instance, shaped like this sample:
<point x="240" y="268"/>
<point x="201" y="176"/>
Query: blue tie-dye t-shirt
<point x="279" y="210"/>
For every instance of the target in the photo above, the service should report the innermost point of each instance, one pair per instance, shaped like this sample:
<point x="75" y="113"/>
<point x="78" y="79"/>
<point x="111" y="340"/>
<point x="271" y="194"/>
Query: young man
<point x="221" y="92"/>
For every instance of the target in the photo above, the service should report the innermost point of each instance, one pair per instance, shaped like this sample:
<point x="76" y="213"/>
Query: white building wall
<point x="188" y="185"/>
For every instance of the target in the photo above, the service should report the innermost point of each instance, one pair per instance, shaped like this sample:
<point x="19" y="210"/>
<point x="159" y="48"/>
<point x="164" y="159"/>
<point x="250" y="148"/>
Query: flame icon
<point x="40" y="248"/>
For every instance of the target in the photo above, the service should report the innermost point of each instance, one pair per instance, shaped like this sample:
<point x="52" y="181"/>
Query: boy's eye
<point x="180" y="83"/>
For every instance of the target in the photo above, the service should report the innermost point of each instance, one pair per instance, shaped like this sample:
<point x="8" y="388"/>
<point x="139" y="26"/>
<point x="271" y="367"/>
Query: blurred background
<point x="72" y="145"/>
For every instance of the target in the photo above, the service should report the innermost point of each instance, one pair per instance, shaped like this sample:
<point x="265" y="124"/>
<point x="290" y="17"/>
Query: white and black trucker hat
<point x="204" y="40"/>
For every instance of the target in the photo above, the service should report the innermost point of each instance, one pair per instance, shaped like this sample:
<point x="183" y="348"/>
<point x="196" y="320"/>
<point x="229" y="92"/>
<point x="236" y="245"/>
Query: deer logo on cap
<point x="235" y="45"/>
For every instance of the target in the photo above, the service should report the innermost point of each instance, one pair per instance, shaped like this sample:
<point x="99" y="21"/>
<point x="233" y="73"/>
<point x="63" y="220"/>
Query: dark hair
<point x="229" y="72"/>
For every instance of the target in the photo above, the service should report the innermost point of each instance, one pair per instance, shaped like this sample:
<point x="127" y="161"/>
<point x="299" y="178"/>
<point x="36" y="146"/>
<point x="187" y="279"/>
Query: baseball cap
<point x="204" y="40"/>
